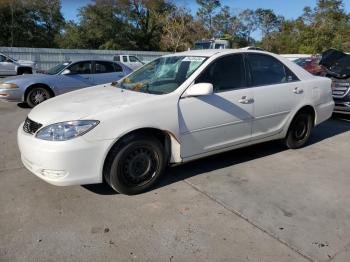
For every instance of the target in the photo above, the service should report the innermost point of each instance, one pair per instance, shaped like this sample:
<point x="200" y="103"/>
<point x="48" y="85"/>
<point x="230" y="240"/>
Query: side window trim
<point x="248" y="67"/>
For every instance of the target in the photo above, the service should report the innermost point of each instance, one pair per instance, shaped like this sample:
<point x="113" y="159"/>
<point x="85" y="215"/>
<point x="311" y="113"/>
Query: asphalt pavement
<point x="261" y="203"/>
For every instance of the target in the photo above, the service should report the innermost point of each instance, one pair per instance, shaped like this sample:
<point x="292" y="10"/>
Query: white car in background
<point x="129" y="60"/>
<point x="175" y="109"/>
<point x="10" y="66"/>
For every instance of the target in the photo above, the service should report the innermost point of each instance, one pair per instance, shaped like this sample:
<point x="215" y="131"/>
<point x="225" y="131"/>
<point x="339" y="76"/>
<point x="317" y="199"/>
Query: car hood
<point x="336" y="63"/>
<point x="85" y="103"/>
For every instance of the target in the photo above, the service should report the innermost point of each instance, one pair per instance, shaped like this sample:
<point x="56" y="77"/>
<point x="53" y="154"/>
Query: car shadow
<point x="336" y="125"/>
<point x="23" y="105"/>
<point x="328" y="129"/>
<point x="100" y="189"/>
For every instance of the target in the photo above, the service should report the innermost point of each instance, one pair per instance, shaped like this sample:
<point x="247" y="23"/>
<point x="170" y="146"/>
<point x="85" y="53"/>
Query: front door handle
<point x="246" y="100"/>
<point x="298" y="90"/>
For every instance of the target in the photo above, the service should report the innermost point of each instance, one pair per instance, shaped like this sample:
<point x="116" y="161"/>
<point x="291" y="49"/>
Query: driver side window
<point x="225" y="74"/>
<point x="81" y="68"/>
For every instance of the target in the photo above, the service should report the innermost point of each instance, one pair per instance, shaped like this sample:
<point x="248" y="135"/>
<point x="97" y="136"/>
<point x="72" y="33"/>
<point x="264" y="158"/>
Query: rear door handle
<point x="246" y="100"/>
<point x="298" y="90"/>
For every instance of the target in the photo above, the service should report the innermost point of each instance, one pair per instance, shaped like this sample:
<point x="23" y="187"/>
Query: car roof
<point x="89" y="60"/>
<point x="212" y="52"/>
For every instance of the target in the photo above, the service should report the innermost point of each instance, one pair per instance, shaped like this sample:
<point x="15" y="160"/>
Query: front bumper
<point x="13" y="95"/>
<point x="63" y="163"/>
<point x="342" y="107"/>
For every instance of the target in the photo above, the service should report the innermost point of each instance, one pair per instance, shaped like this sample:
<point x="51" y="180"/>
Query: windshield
<point x="204" y="45"/>
<point x="163" y="75"/>
<point x="56" y="69"/>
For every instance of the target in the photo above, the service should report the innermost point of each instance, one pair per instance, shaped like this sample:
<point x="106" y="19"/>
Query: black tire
<point x="135" y="164"/>
<point x="299" y="131"/>
<point x="37" y="95"/>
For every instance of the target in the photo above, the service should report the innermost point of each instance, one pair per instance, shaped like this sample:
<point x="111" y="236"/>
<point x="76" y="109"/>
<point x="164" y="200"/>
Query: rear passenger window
<point x="125" y="59"/>
<point x="104" y="67"/>
<point x="225" y="74"/>
<point x="116" y="58"/>
<point x="267" y="70"/>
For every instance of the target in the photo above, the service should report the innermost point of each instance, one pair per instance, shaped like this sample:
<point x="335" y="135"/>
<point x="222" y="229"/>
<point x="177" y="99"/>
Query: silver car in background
<point x="10" y="66"/>
<point x="63" y="78"/>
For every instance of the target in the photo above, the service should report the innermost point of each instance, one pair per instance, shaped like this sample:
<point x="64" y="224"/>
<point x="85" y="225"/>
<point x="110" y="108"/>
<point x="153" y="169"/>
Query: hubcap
<point x="139" y="166"/>
<point x="38" y="96"/>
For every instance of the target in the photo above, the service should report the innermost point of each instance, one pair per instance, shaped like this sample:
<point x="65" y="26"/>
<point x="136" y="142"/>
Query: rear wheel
<point x="37" y="95"/>
<point x="135" y="165"/>
<point x="299" y="130"/>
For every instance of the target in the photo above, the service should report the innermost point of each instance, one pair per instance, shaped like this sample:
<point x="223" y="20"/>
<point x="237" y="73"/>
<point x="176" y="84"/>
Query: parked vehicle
<point x="212" y="44"/>
<point x="10" y="66"/>
<point x="63" y="78"/>
<point x="129" y="60"/>
<point x="311" y="64"/>
<point x="337" y="66"/>
<point x="177" y="108"/>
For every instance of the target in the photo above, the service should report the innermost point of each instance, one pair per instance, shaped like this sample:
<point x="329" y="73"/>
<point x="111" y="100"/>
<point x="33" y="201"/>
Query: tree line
<point x="162" y="25"/>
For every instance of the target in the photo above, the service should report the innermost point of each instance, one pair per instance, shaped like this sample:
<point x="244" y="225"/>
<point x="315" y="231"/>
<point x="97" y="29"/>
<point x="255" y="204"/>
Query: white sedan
<point x="177" y="108"/>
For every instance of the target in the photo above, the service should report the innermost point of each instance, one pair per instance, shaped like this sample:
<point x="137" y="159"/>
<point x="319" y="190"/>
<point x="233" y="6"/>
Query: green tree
<point x="326" y="26"/>
<point x="206" y="12"/>
<point x="146" y="20"/>
<point x="248" y="24"/>
<point x="28" y="23"/>
<point x="179" y="27"/>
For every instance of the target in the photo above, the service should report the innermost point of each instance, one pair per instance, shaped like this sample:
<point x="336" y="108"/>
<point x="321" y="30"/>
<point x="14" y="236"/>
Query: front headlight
<point x="66" y="130"/>
<point x="7" y="85"/>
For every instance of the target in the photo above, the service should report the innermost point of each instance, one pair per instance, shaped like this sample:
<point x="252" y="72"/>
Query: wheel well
<point x="161" y="135"/>
<point x="38" y="85"/>
<point x="308" y="109"/>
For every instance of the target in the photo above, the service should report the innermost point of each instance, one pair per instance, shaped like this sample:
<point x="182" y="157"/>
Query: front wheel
<point x="135" y="165"/>
<point x="37" y="95"/>
<point x="299" y="131"/>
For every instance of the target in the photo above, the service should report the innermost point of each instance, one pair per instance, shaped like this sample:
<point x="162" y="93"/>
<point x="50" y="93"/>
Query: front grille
<point x="340" y="88"/>
<point x="30" y="126"/>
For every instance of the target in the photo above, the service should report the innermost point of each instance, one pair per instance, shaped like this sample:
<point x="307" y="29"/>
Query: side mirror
<point x="200" y="89"/>
<point x="66" y="72"/>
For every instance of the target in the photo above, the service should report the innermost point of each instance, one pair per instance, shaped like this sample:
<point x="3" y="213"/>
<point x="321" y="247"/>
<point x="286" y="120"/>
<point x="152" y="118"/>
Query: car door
<point x="220" y="120"/>
<point x="79" y="76"/>
<point x="276" y="91"/>
<point x="106" y="72"/>
<point x="7" y="66"/>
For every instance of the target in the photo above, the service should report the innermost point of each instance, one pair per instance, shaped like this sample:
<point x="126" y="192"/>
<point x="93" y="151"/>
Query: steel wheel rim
<point x="139" y="165"/>
<point x="300" y="129"/>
